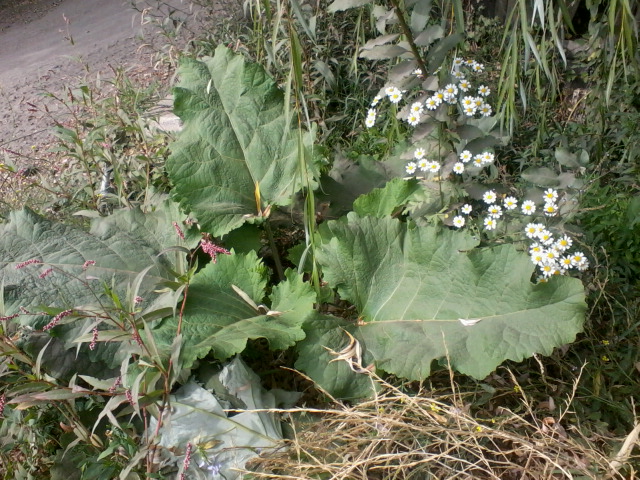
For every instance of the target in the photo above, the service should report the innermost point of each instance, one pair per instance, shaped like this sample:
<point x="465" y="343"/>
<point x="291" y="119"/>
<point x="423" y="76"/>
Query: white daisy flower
<point x="451" y="89"/>
<point x="489" y="197"/>
<point x="528" y="207"/>
<point x="565" y="262"/>
<point x="484" y="91"/>
<point x="419" y="153"/>
<point x="466" y="209"/>
<point x="495" y="211"/>
<point x="577" y="258"/>
<point x="490" y="223"/>
<point x="411" y="168"/>
<point x="564" y="243"/>
<point x="550" y="195"/>
<point x="477" y="160"/>
<point x="546" y="237"/>
<point x="549" y="269"/>
<point x="537" y="258"/>
<point x="510" y="203"/>
<point x="485" y="110"/>
<point x="416" y="108"/>
<point x="458" y="221"/>
<point x="468" y="101"/>
<point x="487" y="157"/>
<point x="432" y="103"/>
<point x="370" y="122"/>
<point x="396" y="96"/>
<point x="423" y="164"/>
<point x="413" y="119"/>
<point x="458" y="167"/>
<point x="535" y="248"/>
<point x="464" y="85"/>
<point x="550" y="209"/>
<point x="376" y="100"/>
<point x="530" y="230"/>
<point x="434" y="167"/>
<point x="465" y="156"/>
<point x="470" y="110"/>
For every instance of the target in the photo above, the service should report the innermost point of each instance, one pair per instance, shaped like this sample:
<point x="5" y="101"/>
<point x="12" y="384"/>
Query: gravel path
<point x="52" y="45"/>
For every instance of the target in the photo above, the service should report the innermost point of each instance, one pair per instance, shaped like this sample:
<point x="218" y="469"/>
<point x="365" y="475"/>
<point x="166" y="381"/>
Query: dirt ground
<point x="49" y="46"/>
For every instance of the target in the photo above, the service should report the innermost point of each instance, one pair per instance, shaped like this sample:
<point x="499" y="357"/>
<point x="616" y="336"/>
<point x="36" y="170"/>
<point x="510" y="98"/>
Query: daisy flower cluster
<point x="421" y="163"/>
<point x="549" y="254"/>
<point x="393" y="94"/>
<point x="466" y="158"/>
<point x="459" y="92"/>
<point x="552" y="255"/>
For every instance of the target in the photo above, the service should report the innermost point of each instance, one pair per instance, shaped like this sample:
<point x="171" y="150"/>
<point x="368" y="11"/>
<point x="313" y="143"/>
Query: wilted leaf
<point x="325" y="333"/>
<point x="220" y="441"/>
<point x="382" y="52"/>
<point x="340" y="5"/>
<point x="428" y="36"/>
<point x="416" y="287"/>
<point x="541" y="176"/>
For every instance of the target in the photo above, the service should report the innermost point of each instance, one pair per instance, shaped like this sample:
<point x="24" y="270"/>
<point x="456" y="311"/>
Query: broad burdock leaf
<point x="428" y="293"/>
<point x="237" y="153"/>
<point x="120" y="254"/>
<point x="218" y="319"/>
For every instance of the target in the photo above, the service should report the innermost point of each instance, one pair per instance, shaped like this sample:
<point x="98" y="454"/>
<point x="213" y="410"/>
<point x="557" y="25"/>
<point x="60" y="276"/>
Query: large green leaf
<point x="120" y="255"/>
<point x="236" y="135"/>
<point x="426" y="293"/>
<point x="216" y="317"/>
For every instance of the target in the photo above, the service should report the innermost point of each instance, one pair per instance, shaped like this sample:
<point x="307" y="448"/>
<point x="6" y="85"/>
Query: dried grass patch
<point x="401" y="436"/>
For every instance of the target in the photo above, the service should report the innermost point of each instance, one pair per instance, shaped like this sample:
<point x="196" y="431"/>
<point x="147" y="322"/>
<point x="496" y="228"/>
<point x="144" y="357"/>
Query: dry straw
<point x="402" y="436"/>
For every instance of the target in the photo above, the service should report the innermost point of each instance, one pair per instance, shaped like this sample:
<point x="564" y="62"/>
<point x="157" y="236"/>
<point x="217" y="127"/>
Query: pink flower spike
<point x="213" y="250"/>
<point x="94" y="339"/>
<point x="186" y="462"/>
<point x="28" y="262"/>
<point x="46" y="272"/>
<point x="178" y="230"/>
<point x="88" y="264"/>
<point x="56" y="320"/>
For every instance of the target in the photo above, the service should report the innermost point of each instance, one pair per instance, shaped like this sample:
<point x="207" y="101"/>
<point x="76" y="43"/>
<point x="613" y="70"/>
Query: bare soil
<point x="50" y="46"/>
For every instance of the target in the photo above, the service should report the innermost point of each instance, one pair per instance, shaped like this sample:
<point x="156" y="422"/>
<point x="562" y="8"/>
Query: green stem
<point x="407" y="33"/>
<point x="274" y="251"/>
